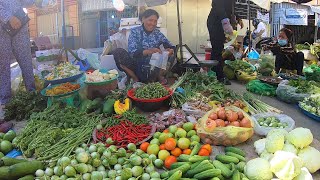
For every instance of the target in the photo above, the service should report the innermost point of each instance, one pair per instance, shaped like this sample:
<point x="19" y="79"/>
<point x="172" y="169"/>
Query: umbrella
<point x="301" y="1"/>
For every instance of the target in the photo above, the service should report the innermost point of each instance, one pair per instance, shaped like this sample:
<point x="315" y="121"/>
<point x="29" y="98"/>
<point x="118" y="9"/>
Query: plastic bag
<point x="267" y="64"/>
<point x="288" y="93"/>
<point x="107" y="48"/>
<point x="189" y="110"/>
<point x="160" y="60"/>
<point x="92" y="58"/>
<point x="245" y="77"/>
<point x="253" y="54"/>
<point x="258" y="87"/>
<point x="226" y="136"/>
<point x="261" y="130"/>
<point x="122" y="80"/>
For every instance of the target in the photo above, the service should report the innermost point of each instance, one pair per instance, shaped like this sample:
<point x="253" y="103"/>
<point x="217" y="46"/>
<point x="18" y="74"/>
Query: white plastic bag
<point x="92" y="58"/>
<point x="261" y="130"/>
<point x="192" y="111"/>
<point x="122" y="80"/>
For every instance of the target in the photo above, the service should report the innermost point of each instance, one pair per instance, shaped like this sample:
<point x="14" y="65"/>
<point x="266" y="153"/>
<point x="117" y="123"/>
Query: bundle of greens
<point x="305" y="87"/>
<point x="151" y="91"/>
<point x="23" y="104"/>
<point x="239" y="65"/>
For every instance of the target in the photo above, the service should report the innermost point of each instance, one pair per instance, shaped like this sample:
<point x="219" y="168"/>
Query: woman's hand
<point x="171" y="51"/>
<point x="151" y="51"/>
<point x="15" y="22"/>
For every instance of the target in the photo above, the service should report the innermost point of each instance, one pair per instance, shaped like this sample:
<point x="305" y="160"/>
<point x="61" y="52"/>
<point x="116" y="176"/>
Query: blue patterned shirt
<point x="9" y="7"/>
<point x="140" y="40"/>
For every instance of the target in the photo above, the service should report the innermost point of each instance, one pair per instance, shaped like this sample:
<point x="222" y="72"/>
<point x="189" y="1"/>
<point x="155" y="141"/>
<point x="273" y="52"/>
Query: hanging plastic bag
<point x="288" y="93"/>
<point x="160" y="60"/>
<point x="253" y="54"/>
<point x="91" y="58"/>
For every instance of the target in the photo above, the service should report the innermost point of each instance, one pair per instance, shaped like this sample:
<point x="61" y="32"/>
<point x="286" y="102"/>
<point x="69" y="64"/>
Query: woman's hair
<point x="288" y="32"/>
<point x="148" y="13"/>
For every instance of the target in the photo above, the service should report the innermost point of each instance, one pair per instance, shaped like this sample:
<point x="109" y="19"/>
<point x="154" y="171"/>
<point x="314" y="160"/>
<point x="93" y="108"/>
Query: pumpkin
<point x="121" y="108"/>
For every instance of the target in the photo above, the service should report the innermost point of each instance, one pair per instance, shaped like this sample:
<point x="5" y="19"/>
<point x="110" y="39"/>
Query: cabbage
<point x="274" y="142"/>
<point x="288" y="147"/>
<point x="258" y="169"/>
<point x="278" y="131"/>
<point x="266" y="155"/>
<point x="311" y="158"/>
<point x="286" y="165"/>
<point x="304" y="175"/>
<point x="300" y="137"/>
<point x="260" y="145"/>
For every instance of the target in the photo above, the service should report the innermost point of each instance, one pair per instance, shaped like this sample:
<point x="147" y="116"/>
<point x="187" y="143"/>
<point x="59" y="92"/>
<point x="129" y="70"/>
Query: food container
<point x="310" y="115"/>
<point x="149" y="105"/>
<point x="261" y="130"/>
<point x="226" y="136"/>
<point x="64" y="80"/>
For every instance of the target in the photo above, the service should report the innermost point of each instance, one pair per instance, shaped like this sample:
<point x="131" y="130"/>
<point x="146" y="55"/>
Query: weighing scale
<point x="208" y="65"/>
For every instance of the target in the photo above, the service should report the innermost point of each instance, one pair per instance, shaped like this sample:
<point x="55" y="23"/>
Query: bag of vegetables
<point x="225" y="126"/>
<point x="288" y="93"/>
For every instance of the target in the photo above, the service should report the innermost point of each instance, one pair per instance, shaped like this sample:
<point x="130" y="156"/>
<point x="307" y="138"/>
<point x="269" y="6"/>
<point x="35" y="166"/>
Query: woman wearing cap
<point x="286" y="56"/>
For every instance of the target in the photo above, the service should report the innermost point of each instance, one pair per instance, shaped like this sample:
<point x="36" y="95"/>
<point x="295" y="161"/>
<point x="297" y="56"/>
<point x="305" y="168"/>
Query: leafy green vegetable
<point x="274" y="142"/>
<point x="302" y="47"/>
<point x="151" y="91"/>
<point x="311" y="104"/>
<point x="311" y="159"/>
<point x="258" y="169"/>
<point x="300" y="137"/>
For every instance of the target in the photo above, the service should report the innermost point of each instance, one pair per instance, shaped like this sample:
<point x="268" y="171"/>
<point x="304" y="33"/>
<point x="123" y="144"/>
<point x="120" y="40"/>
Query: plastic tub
<point x="149" y="105"/>
<point x="64" y="80"/>
<point x="261" y="130"/>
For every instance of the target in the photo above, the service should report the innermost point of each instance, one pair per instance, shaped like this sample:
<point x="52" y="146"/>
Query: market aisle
<point x="289" y="109"/>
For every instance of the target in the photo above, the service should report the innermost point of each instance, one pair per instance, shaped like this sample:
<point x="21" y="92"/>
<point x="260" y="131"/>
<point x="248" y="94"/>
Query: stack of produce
<point x="97" y="76"/>
<point x="166" y="119"/>
<point x="62" y="89"/>
<point x="23" y="104"/>
<point x="18" y="168"/>
<point x="311" y="104"/>
<point x="256" y="106"/>
<point x="258" y="87"/>
<point x="98" y="162"/>
<point x="55" y="132"/>
<point x="304" y="86"/>
<point x="271" y="122"/>
<point x="286" y="155"/>
<point x="151" y="91"/>
<point x="6" y="141"/>
<point x="63" y="70"/>
<point x="225" y="126"/>
<point x="266" y="65"/>
<point x="243" y="70"/>
<point x="229" y="165"/>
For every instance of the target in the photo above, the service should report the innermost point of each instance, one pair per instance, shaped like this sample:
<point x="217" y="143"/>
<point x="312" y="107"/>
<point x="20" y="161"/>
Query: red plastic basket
<point x="131" y="94"/>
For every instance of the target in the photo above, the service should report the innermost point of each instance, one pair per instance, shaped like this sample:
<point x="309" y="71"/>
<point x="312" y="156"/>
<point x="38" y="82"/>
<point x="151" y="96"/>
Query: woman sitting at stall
<point x="286" y="56"/>
<point x="144" y="41"/>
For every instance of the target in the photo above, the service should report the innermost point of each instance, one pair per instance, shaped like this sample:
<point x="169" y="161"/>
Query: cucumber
<point x="187" y="179"/>
<point x="195" y="164"/>
<point x="183" y="158"/>
<point x="4" y="173"/>
<point x="28" y="177"/>
<point x="236" y="175"/>
<point x="6" y="161"/>
<point x="108" y="108"/>
<point x="25" y="168"/>
<point x="226" y="172"/>
<point x="215" y="178"/>
<point x="195" y="149"/>
<point x="241" y="158"/>
<point x="176" y="176"/>
<point x="203" y="166"/>
<point x="208" y="174"/>
<point x="178" y="164"/>
<point x="164" y="175"/>
<point x="184" y="168"/>
<point x="227" y="159"/>
<point x="235" y="150"/>
<point x="197" y="158"/>
<point x="240" y="166"/>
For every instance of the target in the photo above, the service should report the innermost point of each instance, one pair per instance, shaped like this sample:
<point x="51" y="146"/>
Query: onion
<point x="235" y="123"/>
<point x="220" y="123"/>
<point x="210" y="125"/>
<point x="232" y="116"/>
<point x="226" y="123"/>
<point x="222" y="114"/>
<point x="213" y="116"/>
<point x="240" y="115"/>
<point x="245" y="123"/>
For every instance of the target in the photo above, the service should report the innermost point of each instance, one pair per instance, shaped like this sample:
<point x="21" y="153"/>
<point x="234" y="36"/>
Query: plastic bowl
<point x="43" y="91"/>
<point x="310" y="115"/>
<point x="149" y="105"/>
<point x="64" y="80"/>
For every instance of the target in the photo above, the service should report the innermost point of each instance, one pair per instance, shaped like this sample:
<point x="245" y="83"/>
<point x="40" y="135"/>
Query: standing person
<point x="260" y="31"/>
<point x="218" y="24"/>
<point x="18" y="45"/>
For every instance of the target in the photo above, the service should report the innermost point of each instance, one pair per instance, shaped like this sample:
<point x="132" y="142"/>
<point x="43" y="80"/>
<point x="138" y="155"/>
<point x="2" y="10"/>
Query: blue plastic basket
<point x="14" y="153"/>
<point x="310" y="115"/>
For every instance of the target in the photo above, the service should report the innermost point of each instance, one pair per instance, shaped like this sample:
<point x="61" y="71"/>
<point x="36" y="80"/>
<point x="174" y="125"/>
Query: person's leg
<point x="125" y="62"/>
<point x="5" y="55"/>
<point x="22" y="51"/>
<point x="299" y="62"/>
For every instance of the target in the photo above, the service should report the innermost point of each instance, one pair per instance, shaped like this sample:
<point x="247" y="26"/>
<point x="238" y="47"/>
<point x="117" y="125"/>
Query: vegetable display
<point x="241" y="65"/>
<point x="151" y="91"/>
<point x="124" y="133"/>
<point x="311" y="104"/>
<point x="271" y="122"/>
<point x="164" y="120"/>
<point x="6" y="142"/>
<point x="258" y="87"/>
<point x="97" y="76"/>
<point x="62" y="89"/>
<point x="303" y="86"/>
<point x="312" y="73"/>
<point x="23" y="104"/>
<point x="121" y="108"/>
<point x="63" y="70"/>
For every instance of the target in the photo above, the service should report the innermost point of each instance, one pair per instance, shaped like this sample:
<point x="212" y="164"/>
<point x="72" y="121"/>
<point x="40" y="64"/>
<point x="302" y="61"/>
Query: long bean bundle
<point x="151" y="91"/>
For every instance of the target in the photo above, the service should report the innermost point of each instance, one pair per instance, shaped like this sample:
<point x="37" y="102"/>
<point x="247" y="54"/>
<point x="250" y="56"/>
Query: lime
<point x="155" y="141"/>
<point x="183" y="143"/>
<point x="181" y="133"/>
<point x="163" y="137"/>
<point x="195" y="138"/>
<point x="191" y="133"/>
<point x="156" y="135"/>
<point x="153" y="149"/>
<point x="173" y="129"/>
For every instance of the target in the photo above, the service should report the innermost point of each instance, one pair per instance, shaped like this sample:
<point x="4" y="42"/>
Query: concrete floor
<point x="288" y="109"/>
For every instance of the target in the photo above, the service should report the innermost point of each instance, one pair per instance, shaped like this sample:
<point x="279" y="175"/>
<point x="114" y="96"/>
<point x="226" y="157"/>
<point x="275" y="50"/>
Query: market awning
<point x="265" y="4"/>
